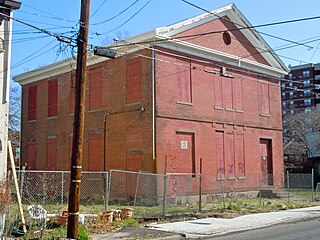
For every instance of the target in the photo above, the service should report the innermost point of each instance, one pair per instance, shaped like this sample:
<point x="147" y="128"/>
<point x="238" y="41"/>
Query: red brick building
<point x="200" y="88"/>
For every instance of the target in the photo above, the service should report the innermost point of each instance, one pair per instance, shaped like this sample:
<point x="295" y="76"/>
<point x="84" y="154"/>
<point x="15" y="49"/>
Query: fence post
<point x="22" y="173"/>
<point x="106" y="191"/>
<point x="62" y="187"/>
<point x="288" y="186"/>
<point x="200" y="186"/>
<point x="136" y="192"/>
<point x="312" y="184"/>
<point x="165" y="187"/>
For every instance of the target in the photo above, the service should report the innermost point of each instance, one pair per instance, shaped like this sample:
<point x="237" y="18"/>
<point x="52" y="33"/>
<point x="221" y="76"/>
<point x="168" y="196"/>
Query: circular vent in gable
<point x="226" y="38"/>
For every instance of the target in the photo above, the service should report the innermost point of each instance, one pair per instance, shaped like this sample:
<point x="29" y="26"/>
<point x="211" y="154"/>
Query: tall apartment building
<point x="299" y="88"/>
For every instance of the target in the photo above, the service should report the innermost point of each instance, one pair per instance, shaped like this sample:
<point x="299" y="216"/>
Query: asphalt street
<point x="290" y="231"/>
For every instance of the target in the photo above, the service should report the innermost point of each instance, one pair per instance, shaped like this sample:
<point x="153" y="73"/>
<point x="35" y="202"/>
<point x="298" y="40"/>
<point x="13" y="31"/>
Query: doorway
<point x="266" y="176"/>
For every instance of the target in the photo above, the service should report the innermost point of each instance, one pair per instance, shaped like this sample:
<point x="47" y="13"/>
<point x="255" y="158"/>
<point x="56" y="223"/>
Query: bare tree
<point x="295" y="129"/>
<point x="14" y="115"/>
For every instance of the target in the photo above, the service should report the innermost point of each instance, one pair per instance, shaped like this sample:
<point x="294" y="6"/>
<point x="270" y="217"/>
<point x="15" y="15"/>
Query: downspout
<point x="105" y="141"/>
<point x="153" y="107"/>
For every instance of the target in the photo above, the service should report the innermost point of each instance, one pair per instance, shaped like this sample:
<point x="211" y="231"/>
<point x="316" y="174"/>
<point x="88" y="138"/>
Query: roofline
<point x="236" y="16"/>
<point x="307" y="65"/>
<point x="158" y="33"/>
<point x="69" y="64"/>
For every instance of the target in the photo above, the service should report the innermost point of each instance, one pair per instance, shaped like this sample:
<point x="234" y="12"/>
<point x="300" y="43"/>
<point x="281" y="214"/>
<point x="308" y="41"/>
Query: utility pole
<point x="78" y="126"/>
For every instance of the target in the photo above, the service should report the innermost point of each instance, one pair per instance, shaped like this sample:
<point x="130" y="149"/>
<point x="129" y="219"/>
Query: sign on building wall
<point x="184" y="144"/>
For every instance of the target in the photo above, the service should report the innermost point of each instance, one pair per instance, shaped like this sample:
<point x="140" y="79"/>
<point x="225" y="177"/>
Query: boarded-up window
<point x="52" y="154"/>
<point x="32" y="103"/>
<point x="32" y="154"/>
<point x="183" y="73"/>
<point x="95" y="86"/>
<point x="264" y="99"/>
<point x="133" y="84"/>
<point x="185" y="153"/>
<point x="134" y="162"/>
<point x="52" y="98"/>
<point x="227" y="93"/>
<point x="237" y="93"/>
<point x="95" y="153"/>
<point x="220" y="154"/>
<point x="230" y="155"/>
<point x="217" y="91"/>
<point x="239" y="149"/>
<point x="133" y="165"/>
<point x="72" y="93"/>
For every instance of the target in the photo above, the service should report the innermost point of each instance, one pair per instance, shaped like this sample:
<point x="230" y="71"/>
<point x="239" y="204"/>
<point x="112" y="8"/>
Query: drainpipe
<point x="153" y="107"/>
<point x="105" y="141"/>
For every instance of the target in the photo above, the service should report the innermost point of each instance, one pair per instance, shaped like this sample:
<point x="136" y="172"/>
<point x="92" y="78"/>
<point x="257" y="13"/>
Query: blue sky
<point x="31" y="49"/>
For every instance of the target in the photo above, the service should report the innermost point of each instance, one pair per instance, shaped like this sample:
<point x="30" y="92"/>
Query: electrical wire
<point x="123" y="11"/>
<point x="44" y="16"/>
<point x="222" y="31"/>
<point x="28" y="58"/>
<point x="98" y="8"/>
<point x="261" y="25"/>
<point x="53" y="16"/>
<point x="315" y="50"/>
<point x="125" y="22"/>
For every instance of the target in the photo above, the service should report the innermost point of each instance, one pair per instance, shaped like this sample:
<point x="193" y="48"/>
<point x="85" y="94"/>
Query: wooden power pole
<point x="78" y="127"/>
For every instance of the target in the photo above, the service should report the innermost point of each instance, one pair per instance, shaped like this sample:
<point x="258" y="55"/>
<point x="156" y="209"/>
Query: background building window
<point x="306" y="73"/>
<point x="95" y="86"/>
<point x="307" y="102"/>
<point x="306" y="82"/>
<point x="183" y="76"/>
<point x="264" y="99"/>
<point x="307" y="92"/>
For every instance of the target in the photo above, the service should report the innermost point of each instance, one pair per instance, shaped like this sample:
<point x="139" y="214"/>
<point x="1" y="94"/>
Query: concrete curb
<point x="210" y="227"/>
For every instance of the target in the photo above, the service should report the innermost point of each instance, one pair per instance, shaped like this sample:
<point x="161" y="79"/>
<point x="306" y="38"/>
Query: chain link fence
<point x="51" y="188"/>
<point x="154" y="195"/>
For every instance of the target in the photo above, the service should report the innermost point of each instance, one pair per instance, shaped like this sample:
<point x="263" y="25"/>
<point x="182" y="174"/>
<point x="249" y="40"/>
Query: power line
<point x="57" y="36"/>
<point x="221" y="31"/>
<point x="45" y="16"/>
<point x="315" y="50"/>
<point x="45" y="23"/>
<point x="261" y="25"/>
<point x="109" y="19"/>
<point x="58" y="18"/>
<point x="28" y="58"/>
<point x="98" y="8"/>
<point x="128" y="18"/>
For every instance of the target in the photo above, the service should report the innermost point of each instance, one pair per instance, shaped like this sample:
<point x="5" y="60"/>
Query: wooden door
<point x="266" y="162"/>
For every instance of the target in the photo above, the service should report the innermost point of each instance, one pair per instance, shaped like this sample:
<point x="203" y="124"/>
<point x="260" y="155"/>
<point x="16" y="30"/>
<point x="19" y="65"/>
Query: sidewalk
<point x="208" y="227"/>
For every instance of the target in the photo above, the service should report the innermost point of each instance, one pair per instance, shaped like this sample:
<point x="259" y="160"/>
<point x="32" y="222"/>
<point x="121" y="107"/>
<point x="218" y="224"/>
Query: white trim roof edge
<point x="64" y="66"/>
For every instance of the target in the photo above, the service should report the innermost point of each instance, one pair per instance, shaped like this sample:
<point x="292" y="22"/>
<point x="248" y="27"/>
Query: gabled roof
<point x="164" y="37"/>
